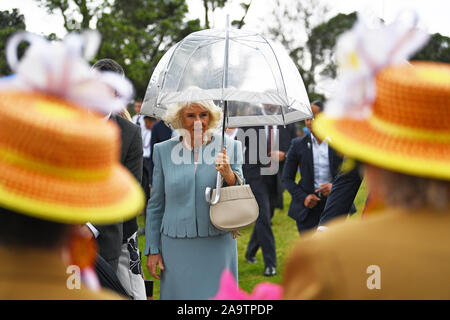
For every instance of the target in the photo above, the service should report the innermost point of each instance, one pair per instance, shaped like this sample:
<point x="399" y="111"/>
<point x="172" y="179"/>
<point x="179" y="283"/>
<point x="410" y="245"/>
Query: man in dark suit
<point x="266" y="185"/>
<point x="319" y="166"/>
<point x="112" y="239"/>
<point x="160" y="133"/>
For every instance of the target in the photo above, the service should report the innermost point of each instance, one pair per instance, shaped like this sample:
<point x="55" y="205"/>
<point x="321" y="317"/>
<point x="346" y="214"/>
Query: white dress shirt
<point x="146" y="138"/>
<point x="322" y="172"/>
<point x="146" y="134"/>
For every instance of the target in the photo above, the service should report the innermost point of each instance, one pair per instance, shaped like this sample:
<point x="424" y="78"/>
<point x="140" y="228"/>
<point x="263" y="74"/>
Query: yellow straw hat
<point x="409" y="129"/>
<point x="408" y="126"/>
<point x="60" y="162"/>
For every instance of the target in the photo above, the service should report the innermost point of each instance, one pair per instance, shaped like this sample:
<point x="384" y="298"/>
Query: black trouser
<point x="145" y="183"/>
<point x="262" y="235"/>
<point x="312" y="219"/>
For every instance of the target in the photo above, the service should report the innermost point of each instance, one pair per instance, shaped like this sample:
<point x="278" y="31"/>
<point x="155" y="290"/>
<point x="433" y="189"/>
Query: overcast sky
<point x="434" y="13"/>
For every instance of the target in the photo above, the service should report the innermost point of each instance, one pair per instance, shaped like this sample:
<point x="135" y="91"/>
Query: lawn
<point x="286" y="234"/>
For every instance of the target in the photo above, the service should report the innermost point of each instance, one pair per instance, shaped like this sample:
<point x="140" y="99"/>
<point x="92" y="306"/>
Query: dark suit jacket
<point x="160" y="133"/>
<point x="111" y="236"/>
<point x="343" y="193"/>
<point x="300" y="153"/>
<point x="253" y="170"/>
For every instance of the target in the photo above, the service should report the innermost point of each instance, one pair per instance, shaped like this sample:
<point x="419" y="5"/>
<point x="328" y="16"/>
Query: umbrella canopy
<point x="256" y="77"/>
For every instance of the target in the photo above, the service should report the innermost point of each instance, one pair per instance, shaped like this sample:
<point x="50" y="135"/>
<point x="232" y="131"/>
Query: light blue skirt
<point x="193" y="266"/>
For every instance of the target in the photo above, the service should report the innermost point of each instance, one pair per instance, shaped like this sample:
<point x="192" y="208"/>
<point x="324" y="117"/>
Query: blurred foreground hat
<point x="388" y="112"/>
<point x="59" y="159"/>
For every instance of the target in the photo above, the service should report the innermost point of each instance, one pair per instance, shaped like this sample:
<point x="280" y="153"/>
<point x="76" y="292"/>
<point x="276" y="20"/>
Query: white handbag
<point x="236" y="209"/>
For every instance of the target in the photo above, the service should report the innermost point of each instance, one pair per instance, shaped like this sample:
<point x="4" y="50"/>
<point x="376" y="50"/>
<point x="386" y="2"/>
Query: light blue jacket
<point x="177" y="206"/>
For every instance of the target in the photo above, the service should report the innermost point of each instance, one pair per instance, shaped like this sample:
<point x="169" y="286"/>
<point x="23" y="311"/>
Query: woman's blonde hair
<point x="125" y="114"/>
<point x="174" y="114"/>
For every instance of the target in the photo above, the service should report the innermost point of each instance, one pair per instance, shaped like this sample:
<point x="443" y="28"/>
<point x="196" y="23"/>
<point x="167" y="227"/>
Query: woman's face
<point x="194" y="113"/>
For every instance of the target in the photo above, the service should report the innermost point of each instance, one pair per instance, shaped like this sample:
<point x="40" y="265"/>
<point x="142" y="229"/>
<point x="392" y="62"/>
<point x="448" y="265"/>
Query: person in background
<point x="146" y="139"/>
<point x="319" y="165"/>
<point x="118" y="243"/>
<point x="160" y="132"/>
<point x="68" y="174"/>
<point x="180" y="238"/>
<point x="125" y="114"/>
<point x="138" y="118"/>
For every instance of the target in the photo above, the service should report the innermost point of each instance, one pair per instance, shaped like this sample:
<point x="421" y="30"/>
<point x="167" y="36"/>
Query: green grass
<point x="286" y="234"/>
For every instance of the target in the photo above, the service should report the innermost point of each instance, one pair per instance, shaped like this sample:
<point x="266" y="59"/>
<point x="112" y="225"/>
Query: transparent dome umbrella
<point x="240" y="70"/>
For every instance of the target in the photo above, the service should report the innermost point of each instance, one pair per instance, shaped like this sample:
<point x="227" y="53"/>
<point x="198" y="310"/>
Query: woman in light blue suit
<point x="180" y="239"/>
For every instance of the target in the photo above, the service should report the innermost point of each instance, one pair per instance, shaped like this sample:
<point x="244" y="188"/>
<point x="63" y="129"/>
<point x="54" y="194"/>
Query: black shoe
<point x="270" y="271"/>
<point x="251" y="259"/>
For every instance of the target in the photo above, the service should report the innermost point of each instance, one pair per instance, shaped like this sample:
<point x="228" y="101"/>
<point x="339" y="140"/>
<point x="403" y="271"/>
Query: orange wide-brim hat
<point x="409" y="128"/>
<point x="60" y="162"/>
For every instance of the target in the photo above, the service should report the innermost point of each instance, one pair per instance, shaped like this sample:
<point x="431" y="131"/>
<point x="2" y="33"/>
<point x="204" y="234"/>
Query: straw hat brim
<point x="115" y="198"/>
<point x="371" y="141"/>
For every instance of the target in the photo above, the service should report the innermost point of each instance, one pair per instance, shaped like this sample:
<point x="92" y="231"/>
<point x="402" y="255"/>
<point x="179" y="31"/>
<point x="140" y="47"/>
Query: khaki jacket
<point x="30" y="274"/>
<point x="405" y="254"/>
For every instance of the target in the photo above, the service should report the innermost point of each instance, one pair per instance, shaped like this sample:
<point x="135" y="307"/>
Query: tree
<point x="322" y="42"/>
<point x="211" y="5"/>
<point x="240" y="23"/>
<point x="71" y="10"/>
<point x="292" y="27"/>
<point x="137" y="33"/>
<point x="10" y="23"/>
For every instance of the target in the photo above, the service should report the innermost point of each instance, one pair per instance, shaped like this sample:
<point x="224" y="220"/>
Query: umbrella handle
<point x="209" y="190"/>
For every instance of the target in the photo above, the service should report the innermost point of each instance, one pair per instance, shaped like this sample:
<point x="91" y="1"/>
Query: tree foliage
<point x="10" y="22"/>
<point x="72" y="10"/>
<point x="210" y="6"/>
<point x="322" y="42"/>
<point x="437" y="49"/>
<point x="315" y="57"/>
<point x="137" y="33"/>
<point x="292" y="27"/>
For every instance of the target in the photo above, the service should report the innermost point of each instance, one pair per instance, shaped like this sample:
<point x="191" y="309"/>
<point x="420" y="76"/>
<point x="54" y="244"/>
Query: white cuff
<point x="94" y="231"/>
<point x="321" y="228"/>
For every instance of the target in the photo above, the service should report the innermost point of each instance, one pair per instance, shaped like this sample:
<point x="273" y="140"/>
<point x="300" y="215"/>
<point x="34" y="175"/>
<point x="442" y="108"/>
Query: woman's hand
<point x="223" y="166"/>
<point x="154" y="260"/>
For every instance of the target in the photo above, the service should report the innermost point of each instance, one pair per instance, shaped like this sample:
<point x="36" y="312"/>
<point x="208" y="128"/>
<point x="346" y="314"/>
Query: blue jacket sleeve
<point x="155" y="207"/>
<point x="293" y="160"/>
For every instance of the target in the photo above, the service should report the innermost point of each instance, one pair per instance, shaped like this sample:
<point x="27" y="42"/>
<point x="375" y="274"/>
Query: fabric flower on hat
<point x="59" y="68"/>
<point x="362" y="52"/>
